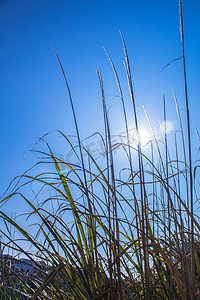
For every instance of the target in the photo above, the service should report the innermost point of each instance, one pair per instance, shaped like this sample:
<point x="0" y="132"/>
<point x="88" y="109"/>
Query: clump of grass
<point x="104" y="233"/>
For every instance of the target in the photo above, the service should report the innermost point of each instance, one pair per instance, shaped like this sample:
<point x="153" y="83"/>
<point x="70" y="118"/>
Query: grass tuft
<point x="95" y="230"/>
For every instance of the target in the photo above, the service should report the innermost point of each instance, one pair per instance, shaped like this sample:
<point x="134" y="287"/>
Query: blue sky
<point x="33" y="96"/>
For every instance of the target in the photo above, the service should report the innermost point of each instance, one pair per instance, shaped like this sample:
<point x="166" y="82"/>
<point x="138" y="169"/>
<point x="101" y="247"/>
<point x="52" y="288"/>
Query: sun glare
<point x="168" y="125"/>
<point x="144" y="136"/>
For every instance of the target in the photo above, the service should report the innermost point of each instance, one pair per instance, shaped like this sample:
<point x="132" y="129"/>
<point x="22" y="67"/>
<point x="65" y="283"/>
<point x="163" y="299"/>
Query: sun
<point x="144" y="136"/>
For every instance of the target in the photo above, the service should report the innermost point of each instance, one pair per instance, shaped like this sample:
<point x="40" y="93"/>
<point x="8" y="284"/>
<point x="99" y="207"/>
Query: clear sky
<point x="33" y="96"/>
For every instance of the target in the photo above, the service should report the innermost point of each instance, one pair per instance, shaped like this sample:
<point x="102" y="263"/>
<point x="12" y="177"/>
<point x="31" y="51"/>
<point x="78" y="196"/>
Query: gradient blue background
<point x="33" y="96"/>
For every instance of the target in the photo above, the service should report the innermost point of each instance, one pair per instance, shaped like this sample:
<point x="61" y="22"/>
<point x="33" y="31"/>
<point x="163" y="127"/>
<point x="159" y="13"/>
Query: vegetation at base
<point x="103" y="232"/>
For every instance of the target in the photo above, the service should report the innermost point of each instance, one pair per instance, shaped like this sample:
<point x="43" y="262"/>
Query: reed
<point x="96" y="232"/>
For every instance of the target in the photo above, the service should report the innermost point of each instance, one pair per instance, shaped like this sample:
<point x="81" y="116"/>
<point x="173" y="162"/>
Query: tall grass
<point x="101" y="232"/>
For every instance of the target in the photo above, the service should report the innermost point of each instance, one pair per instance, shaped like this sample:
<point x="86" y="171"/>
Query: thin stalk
<point x="111" y="230"/>
<point x="141" y="172"/>
<point x="184" y="154"/>
<point x="189" y="155"/>
<point x="79" y="142"/>
<point x="184" y="268"/>
<point x="167" y="184"/>
<point x="138" y="221"/>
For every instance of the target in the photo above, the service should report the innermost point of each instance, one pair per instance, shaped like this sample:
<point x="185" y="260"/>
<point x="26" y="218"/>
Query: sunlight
<point x="143" y="136"/>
